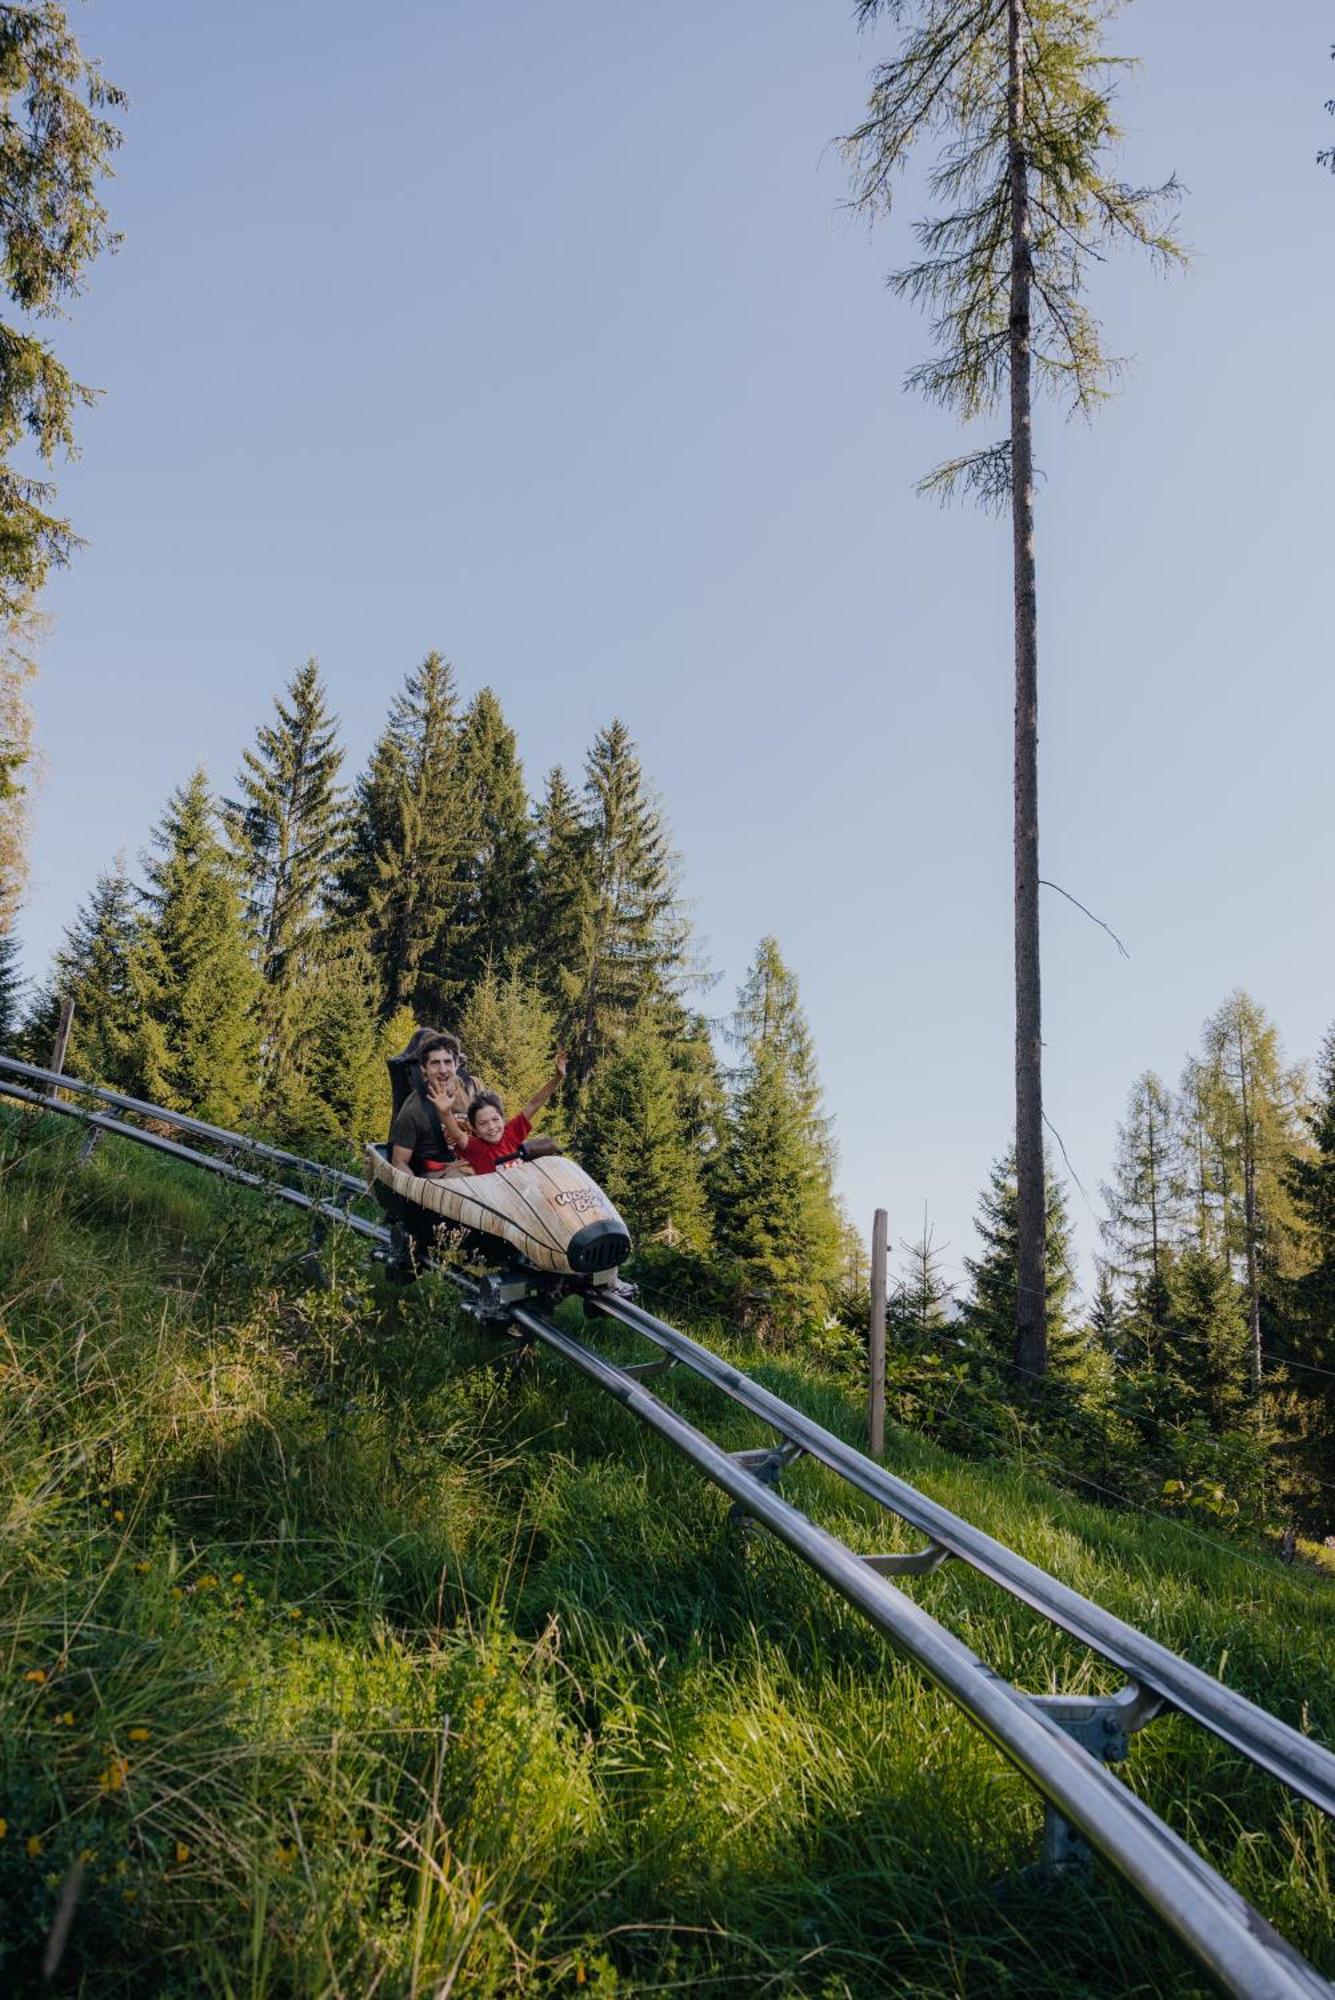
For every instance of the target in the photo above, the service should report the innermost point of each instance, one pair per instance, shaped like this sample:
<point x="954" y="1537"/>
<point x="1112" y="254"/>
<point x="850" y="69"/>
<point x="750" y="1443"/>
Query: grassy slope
<point x="347" y="1666"/>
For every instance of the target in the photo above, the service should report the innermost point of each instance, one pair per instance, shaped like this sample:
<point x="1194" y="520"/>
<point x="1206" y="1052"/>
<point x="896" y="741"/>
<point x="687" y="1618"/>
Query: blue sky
<point x="541" y="335"/>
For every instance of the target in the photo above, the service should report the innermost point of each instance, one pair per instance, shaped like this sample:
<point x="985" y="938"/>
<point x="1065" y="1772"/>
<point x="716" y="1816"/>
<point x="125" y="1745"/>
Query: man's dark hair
<point x="481" y="1101"/>
<point x="428" y="1040"/>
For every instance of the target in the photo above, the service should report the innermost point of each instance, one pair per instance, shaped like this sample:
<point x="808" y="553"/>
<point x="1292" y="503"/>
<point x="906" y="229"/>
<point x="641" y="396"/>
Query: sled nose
<point x="598" y="1246"/>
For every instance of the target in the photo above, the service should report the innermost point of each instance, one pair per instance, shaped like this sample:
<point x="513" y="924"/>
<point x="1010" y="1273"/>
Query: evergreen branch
<point x="986" y="474"/>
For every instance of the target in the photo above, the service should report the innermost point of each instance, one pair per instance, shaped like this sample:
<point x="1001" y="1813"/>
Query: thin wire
<point x="1023" y="1450"/>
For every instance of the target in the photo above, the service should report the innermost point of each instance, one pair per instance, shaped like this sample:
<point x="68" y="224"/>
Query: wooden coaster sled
<point x="548" y="1210"/>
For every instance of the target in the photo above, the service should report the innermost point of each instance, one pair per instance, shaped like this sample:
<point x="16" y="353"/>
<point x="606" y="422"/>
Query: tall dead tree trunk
<point x="1031" y="1340"/>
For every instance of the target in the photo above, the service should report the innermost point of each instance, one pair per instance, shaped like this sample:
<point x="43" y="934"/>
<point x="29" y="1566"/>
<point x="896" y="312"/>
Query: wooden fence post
<point x="62" y="1041"/>
<point x="880" y="1244"/>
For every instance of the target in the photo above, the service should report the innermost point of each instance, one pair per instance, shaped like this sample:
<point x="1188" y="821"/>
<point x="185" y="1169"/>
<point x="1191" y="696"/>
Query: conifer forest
<point x="344" y="1652"/>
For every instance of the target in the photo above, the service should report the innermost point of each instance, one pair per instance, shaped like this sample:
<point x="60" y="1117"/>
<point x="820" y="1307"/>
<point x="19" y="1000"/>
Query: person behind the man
<point x="417" y="1141"/>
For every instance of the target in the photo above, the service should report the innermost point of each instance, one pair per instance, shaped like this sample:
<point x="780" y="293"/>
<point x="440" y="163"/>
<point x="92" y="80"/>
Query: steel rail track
<point x="236" y="1142"/>
<point x="1245" y="1955"/>
<point x="1299" y="1761"/>
<point x="1243" y="1952"/>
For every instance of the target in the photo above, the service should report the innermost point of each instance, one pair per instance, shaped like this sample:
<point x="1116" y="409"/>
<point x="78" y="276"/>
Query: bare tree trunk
<point x="1031" y="1341"/>
<point x="1249" y="1220"/>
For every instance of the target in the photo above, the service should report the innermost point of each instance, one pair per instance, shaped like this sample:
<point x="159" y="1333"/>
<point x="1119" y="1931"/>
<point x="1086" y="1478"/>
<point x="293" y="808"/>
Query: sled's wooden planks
<point x="534" y="1205"/>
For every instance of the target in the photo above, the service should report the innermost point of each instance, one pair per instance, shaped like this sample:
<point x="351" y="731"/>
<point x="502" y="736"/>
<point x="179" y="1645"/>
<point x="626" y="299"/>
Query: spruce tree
<point x="401" y="882"/>
<point x="634" y="937"/>
<point x="287" y="826"/>
<point x="1304" y="1331"/>
<point x="1145" y="1196"/>
<point x="923" y="1297"/>
<point x="509" y="1039"/>
<point x="1107" y="1317"/>
<point x="92" y="966"/>
<point x="989" y="1312"/>
<point x="769" y="1012"/>
<point x="58" y="146"/>
<point x="333" y="1095"/>
<point x="1206" y="1350"/>
<point x="191" y="971"/>
<point x="1310" y="1183"/>
<point x="562" y="896"/>
<point x="11" y="990"/>
<point x="496" y="878"/>
<point x="775" y="1212"/>
<point x="636" y="1145"/>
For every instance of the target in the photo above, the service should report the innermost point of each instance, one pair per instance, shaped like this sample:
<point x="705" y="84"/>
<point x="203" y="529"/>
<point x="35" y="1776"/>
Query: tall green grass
<point x="339" y="1660"/>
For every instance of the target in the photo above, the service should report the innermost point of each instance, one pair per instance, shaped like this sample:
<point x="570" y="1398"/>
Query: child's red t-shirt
<point x="482" y="1154"/>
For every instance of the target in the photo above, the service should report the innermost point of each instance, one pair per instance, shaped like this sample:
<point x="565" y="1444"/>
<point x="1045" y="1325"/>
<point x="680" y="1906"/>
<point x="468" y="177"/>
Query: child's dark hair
<point x="481" y="1101"/>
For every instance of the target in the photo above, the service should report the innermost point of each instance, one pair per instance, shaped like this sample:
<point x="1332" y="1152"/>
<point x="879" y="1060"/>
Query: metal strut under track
<point x="1063" y="1745"/>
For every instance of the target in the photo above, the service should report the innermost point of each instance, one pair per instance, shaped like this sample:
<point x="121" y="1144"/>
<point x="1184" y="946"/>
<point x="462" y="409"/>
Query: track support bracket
<point x="914" y="1562"/>
<point x="1102" y="1724"/>
<point x="768" y="1463"/>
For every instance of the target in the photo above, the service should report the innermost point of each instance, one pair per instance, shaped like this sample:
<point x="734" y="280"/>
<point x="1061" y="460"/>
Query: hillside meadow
<point x="339" y="1660"/>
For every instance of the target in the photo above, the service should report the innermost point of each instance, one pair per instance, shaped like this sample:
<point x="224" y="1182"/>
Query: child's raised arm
<point x="553" y="1083"/>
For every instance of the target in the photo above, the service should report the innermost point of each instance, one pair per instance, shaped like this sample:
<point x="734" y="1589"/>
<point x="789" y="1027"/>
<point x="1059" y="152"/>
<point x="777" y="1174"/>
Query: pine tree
<point x="401" y="882"/>
<point x="774" y="1206"/>
<point x="562" y="896"/>
<point x="636" y="1145"/>
<point x="634" y="937"/>
<point x="1019" y="93"/>
<point x="287" y="828"/>
<point x="93" y="967"/>
<point x="990" y="1311"/>
<point x="509" y="1038"/>
<point x="191" y="970"/>
<point x="496" y="879"/>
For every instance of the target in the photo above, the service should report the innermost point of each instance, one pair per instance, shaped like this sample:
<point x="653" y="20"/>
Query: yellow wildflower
<point x="119" y="1514"/>
<point x="207" y="1582"/>
<point x="67" y="1718"/>
<point x="130" y="1895"/>
<point x="140" y="1734"/>
<point x="294" y="1612"/>
<point x="238" y="1576"/>
<point x="113" y="1778"/>
<point x="37" y="1675"/>
<point x="141" y="1569"/>
<point x="182" y="1853"/>
<point x="287" y="1853"/>
<point x="4" y="1828"/>
<point x="176" y="1591"/>
<point x="34" y="1845"/>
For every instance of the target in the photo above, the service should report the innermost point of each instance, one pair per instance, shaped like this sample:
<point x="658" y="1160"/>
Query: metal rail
<point x="1297" y="1760"/>
<point x="1245" y="1954"/>
<point x="236" y="1142"/>
<point x="1058" y="1743"/>
<point x="226" y="1169"/>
